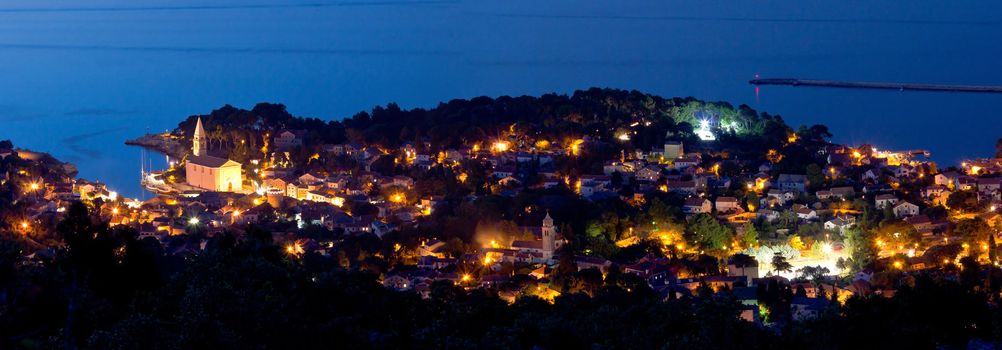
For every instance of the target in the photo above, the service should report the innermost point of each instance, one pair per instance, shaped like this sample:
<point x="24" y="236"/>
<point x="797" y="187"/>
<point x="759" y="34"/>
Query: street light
<point x="193" y="221"/>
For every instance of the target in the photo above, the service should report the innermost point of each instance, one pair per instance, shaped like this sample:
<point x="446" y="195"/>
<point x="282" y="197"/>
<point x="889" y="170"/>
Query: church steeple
<point x="198" y="141"/>
<point x="549" y="236"/>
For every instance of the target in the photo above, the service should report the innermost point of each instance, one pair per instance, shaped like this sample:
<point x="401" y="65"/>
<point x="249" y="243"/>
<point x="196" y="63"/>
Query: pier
<point x="877" y="85"/>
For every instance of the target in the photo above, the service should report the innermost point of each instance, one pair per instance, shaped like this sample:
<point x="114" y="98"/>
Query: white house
<point x="696" y="205"/>
<point x="884" y="200"/>
<point x="903" y="209"/>
<point x="727" y="204"/>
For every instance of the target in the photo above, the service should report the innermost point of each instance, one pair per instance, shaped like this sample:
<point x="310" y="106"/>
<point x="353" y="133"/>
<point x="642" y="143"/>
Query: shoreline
<point x="162" y="143"/>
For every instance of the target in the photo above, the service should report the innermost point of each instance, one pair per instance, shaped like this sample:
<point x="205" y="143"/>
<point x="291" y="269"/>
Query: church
<point x="208" y="172"/>
<point x="542" y="249"/>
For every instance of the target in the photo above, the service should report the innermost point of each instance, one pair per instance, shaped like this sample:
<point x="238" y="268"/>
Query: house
<point x="768" y="214"/>
<point x="884" y="200"/>
<point x="933" y="191"/>
<point x="922" y="224"/>
<point x="840" y="223"/>
<point x="673" y="150"/>
<point x="843" y="192"/>
<point x="342" y="149"/>
<point x="727" y="204"/>
<point x="904" y="209"/>
<point x="871" y="175"/>
<point x="434" y="248"/>
<point x="686" y="162"/>
<point x="989" y="185"/>
<point x="823" y="194"/>
<point x="947" y="178"/>
<point x="803" y="308"/>
<point x="792" y="182"/>
<point x="504" y="171"/>
<point x="683" y="187"/>
<point x="748" y="269"/>
<point x="586" y="262"/>
<point x="696" y="205"/>
<point x="648" y="173"/>
<point x="433" y="262"/>
<point x="396" y="282"/>
<point x="780" y="197"/>
<point x="806" y="213"/>
<point x="965" y="183"/>
<point x="287" y="139"/>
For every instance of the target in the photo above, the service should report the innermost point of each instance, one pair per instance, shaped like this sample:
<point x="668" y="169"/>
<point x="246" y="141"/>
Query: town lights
<point x="294" y="249"/>
<point x="114" y="211"/>
<point x="34" y="186"/>
<point x="575" y="147"/>
<point x="826" y="248"/>
<point x="500" y="146"/>
<point x="465" y="278"/>
<point x="24" y="225"/>
<point x="193" y="221"/>
<point x="396" y="198"/>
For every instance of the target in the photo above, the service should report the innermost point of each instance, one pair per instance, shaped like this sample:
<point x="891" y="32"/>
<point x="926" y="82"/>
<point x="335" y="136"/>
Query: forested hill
<point x="594" y="112"/>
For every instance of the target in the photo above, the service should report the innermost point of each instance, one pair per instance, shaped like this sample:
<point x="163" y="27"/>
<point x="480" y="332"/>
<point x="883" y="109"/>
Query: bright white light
<point x="826" y="248"/>
<point x="623" y="137"/>
<point x="113" y="195"/>
<point x="704" y="132"/>
<point x="193" y="221"/>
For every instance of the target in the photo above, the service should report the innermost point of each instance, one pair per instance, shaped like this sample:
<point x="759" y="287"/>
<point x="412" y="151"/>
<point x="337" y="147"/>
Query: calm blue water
<point x="78" y="78"/>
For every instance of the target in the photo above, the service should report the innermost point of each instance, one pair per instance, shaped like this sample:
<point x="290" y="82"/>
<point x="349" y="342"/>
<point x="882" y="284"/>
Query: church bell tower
<point x="549" y="234"/>
<point x="198" y="147"/>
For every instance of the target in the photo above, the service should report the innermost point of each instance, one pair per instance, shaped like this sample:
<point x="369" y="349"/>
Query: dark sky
<point x="80" y="77"/>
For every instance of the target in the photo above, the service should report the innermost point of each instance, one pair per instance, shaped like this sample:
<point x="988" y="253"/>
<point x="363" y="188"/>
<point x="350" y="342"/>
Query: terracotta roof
<point x="209" y="161"/>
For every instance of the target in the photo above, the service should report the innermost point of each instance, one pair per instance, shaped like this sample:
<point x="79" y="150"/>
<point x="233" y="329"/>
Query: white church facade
<point x="211" y="173"/>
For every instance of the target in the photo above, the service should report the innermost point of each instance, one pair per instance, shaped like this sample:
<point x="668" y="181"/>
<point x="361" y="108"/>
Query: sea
<point x="78" y="78"/>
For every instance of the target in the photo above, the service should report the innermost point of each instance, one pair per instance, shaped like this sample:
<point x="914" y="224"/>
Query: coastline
<point x="162" y="143"/>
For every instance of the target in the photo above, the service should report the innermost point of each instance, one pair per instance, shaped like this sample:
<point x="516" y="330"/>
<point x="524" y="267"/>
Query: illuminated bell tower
<point x="198" y="141"/>
<point x="549" y="237"/>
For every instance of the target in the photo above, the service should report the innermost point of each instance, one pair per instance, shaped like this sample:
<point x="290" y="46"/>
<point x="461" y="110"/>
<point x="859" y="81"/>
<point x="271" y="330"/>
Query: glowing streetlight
<point x="500" y="146"/>
<point x="24" y="225"/>
<point x="193" y="221"/>
<point x="397" y="198"/>
<point x="294" y="249"/>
